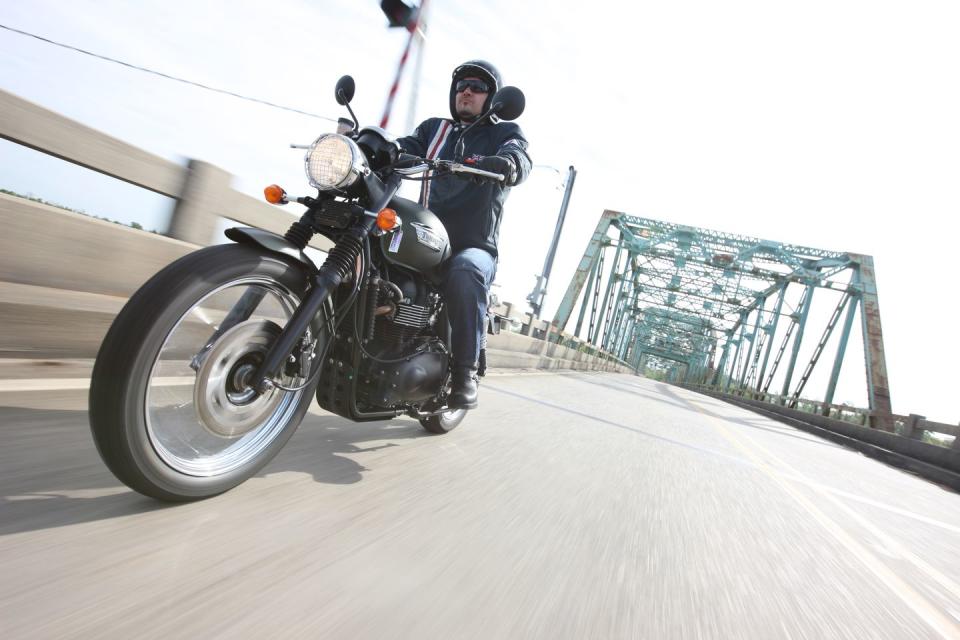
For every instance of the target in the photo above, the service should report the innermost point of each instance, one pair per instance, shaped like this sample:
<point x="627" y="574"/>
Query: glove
<point x="499" y="164"/>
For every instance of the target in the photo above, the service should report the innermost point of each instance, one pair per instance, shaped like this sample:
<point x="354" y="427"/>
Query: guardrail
<point x="107" y="260"/>
<point x="915" y="426"/>
<point x="909" y="427"/>
<point x="848" y="413"/>
<point x="202" y="191"/>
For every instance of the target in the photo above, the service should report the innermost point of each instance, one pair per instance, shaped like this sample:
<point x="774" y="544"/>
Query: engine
<point x="415" y="378"/>
<point x="406" y="361"/>
<point x="401" y="358"/>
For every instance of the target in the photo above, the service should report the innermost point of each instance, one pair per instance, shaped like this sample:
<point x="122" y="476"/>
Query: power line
<point x="164" y="75"/>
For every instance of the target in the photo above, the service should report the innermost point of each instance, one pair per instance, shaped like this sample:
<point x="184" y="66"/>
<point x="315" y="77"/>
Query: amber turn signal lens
<point x="275" y="194"/>
<point x="387" y="219"/>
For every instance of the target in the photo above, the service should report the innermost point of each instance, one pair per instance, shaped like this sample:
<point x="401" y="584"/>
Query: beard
<point x="466" y="114"/>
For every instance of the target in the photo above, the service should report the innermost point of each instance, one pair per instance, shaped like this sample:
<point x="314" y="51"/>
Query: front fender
<point x="269" y="241"/>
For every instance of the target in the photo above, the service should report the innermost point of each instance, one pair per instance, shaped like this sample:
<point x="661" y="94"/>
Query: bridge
<point x="580" y="500"/>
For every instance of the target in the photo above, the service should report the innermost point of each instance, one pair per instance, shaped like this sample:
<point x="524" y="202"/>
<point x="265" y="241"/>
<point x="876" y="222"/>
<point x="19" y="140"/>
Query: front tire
<point x="174" y="421"/>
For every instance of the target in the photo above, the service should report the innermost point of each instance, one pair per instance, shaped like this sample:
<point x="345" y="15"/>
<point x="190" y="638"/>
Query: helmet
<point x="474" y="69"/>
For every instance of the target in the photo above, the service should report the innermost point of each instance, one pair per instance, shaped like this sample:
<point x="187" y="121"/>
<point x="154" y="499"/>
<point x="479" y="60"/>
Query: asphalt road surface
<point x="567" y="506"/>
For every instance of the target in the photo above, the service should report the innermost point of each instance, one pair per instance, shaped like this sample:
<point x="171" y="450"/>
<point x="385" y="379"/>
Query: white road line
<point x="930" y="614"/>
<point x="66" y="384"/>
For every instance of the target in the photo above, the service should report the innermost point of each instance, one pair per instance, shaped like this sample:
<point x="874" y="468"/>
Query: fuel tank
<point x="421" y="243"/>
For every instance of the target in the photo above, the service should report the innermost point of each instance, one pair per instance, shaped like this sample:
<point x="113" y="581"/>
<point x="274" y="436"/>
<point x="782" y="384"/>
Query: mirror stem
<point x="458" y="150"/>
<point x="356" y="123"/>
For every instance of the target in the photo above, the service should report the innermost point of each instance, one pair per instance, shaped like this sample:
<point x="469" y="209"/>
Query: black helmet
<point x="474" y="69"/>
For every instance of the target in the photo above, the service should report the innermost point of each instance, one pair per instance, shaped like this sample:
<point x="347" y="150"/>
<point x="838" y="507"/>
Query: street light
<point x="539" y="292"/>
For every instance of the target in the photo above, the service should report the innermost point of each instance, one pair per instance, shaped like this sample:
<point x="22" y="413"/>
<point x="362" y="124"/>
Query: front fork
<point x="324" y="282"/>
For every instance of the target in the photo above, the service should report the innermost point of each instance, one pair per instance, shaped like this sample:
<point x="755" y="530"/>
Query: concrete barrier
<point x="49" y="247"/>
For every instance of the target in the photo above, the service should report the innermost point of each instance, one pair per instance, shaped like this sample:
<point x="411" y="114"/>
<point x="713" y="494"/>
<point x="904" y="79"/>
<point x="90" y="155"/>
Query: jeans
<point x="469" y="276"/>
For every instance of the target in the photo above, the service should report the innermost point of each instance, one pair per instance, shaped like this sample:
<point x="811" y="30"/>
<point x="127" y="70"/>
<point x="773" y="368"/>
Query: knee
<point x="464" y="275"/>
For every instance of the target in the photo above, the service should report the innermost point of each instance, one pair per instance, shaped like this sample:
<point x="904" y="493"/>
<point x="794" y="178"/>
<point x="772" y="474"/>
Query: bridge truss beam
<point x="686" y="295"/>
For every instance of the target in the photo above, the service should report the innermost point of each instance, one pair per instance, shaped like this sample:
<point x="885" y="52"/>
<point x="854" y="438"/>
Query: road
<point x="567" y="506"/>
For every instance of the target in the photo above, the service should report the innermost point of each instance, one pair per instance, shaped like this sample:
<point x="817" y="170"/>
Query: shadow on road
<point x="51" y="474"/>
<point x="627" y="386"/>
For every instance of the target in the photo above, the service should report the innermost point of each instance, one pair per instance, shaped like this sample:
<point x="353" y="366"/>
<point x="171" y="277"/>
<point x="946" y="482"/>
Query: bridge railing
<point x="202" y="191"/>
<point x="81" y="254"/>
<point x="912" y="426"/>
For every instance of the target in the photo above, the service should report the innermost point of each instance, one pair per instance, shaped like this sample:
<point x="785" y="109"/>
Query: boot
<point x="463" y="394"/>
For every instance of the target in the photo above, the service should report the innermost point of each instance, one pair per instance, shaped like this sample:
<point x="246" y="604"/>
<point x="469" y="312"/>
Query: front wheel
<point x="171" y="410"/>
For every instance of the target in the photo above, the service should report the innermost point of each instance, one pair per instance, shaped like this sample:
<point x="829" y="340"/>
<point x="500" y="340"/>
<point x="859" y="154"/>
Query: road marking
<point x="66" y="384"/>
<point x="940" y="623"/>
<point x="875" y="503"/>
<point x="44" y="384"/>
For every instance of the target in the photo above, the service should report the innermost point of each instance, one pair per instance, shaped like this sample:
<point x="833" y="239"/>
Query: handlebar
<point x="409" y="165"/>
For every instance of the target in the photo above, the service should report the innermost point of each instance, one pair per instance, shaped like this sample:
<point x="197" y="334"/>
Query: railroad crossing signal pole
<point x="413" y="19"/>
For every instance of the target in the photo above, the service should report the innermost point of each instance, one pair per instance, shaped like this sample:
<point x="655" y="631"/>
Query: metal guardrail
<point x="202" y="193"/>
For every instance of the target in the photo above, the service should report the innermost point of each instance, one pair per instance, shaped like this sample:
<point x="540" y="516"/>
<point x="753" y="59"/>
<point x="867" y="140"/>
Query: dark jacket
<point x="470" y="211"/>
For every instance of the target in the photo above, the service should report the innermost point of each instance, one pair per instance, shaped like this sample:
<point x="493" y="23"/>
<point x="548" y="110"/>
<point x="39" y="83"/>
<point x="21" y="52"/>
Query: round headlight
<point x="334" y="162"/>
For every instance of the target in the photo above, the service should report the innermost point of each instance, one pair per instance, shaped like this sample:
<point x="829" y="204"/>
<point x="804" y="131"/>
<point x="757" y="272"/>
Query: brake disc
<point x="225" y="402"/>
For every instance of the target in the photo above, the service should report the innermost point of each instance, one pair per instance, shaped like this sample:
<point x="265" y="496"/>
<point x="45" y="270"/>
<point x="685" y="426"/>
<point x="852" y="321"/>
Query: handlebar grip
<point x="479" y="173"/>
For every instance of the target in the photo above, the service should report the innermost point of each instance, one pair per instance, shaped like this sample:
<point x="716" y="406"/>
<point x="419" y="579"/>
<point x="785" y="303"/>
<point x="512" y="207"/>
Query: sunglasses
<point x="475" y="86"/>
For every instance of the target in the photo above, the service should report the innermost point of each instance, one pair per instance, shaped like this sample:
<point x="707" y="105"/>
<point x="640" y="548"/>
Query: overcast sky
<point x="827" y="124"/>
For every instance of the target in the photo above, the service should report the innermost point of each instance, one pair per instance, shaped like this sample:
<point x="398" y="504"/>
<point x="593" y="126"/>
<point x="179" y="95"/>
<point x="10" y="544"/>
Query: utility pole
<point x="539" y="292"/>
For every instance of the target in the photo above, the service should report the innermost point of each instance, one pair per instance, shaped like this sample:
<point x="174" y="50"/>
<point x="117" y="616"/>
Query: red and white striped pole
<point x="414" y="29"/>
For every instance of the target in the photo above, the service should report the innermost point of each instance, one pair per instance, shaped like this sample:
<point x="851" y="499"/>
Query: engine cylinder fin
<point x="412" y="315"/>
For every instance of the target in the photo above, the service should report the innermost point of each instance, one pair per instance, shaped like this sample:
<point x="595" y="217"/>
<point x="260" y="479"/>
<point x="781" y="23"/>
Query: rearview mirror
<point x="509" y="103"/>
<point x="345" y="90"/>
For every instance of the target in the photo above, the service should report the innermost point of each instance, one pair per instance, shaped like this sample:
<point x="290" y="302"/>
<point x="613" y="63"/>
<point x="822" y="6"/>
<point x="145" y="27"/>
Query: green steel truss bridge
<point x="726" y="310"/>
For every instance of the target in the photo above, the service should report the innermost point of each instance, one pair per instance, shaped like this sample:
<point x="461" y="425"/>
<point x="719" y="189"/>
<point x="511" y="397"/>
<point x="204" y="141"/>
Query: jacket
<point x="471" y="211"/>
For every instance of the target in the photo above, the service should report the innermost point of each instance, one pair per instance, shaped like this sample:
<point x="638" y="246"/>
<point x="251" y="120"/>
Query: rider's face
<point x="470" y="103"/>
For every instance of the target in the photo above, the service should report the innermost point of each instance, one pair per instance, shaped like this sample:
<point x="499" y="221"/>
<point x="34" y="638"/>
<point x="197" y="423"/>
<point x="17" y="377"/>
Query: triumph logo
<point x="426" y="236"/>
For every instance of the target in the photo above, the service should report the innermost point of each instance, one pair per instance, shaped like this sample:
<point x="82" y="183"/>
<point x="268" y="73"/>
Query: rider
<point x="470" y="211"/>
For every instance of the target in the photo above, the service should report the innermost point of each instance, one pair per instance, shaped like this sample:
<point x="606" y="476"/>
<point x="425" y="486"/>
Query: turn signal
<point x="387" y="220"/>
<point x="275" y="194"/>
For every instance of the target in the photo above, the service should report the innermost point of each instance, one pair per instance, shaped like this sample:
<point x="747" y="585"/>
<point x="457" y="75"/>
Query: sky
<point x="825" y="124"/>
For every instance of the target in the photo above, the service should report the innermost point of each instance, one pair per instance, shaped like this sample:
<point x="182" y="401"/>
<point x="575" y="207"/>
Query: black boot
<point x="463" y="395"/>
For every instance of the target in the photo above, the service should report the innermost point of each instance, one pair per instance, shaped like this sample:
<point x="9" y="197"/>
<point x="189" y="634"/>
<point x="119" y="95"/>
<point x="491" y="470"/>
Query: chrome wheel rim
<point x="452" y="414"/>
<point x="203" y="420"/>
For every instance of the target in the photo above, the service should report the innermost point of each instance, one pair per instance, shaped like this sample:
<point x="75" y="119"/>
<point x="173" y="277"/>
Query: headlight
<point x="334" y="162"/>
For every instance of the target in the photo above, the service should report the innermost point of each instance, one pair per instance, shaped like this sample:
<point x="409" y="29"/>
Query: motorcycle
<point x="211" y="366"/>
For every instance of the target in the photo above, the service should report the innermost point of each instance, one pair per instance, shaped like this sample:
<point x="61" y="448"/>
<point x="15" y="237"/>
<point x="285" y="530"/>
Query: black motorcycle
<point x="210" y="367"/>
